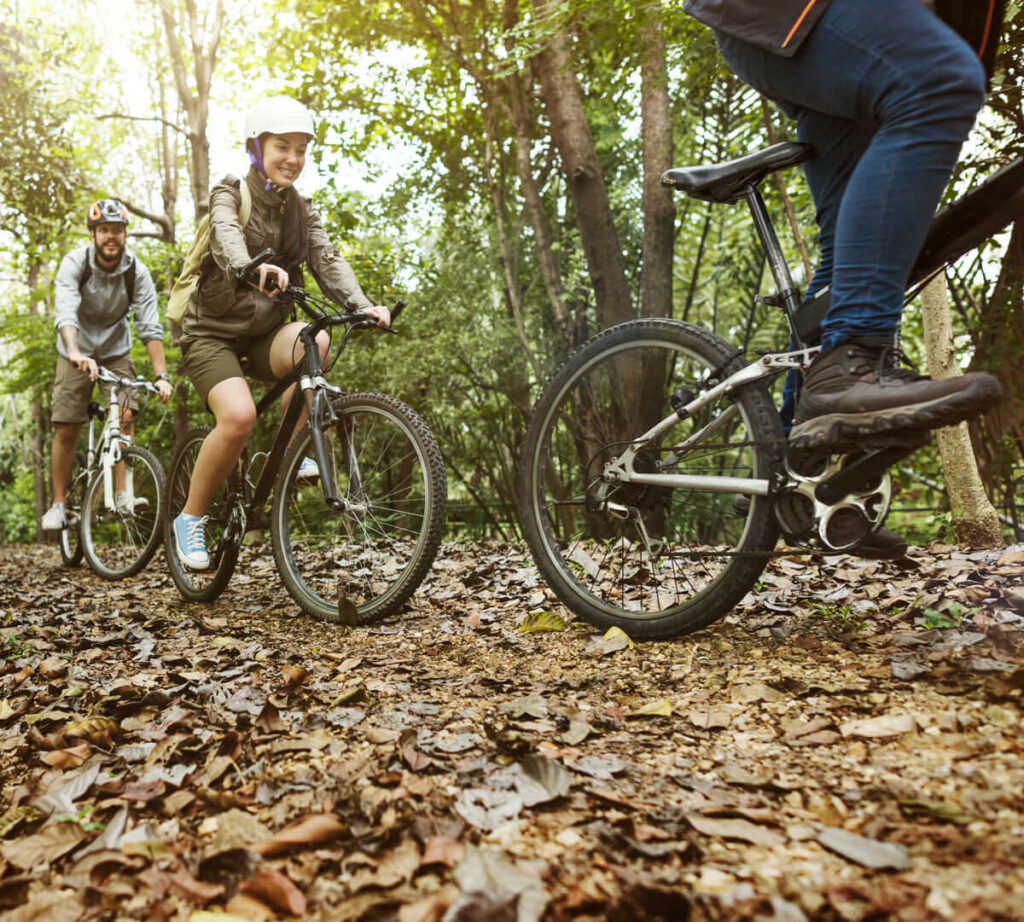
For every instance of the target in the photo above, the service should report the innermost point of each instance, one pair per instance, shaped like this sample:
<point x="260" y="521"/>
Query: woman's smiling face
<point x="284" y="156"/>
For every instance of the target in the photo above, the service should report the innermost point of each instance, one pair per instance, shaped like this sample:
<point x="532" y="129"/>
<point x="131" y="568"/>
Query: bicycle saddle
<point x="727" y="182"/>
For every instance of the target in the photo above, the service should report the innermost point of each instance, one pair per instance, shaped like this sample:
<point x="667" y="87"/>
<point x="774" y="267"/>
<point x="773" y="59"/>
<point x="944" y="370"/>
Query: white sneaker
<point x="308" y="472"/>
<point x="54" y="518"/>
<point x="126" y="504"/>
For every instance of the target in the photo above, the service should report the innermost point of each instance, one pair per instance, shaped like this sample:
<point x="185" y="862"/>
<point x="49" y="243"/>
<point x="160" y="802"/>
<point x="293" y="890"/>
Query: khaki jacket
<point x="225" y="308"/>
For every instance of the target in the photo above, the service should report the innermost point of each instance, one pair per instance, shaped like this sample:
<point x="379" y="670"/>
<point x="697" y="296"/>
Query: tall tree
<point x="571" y="134"/>
<point x="658" y="206"/>
<point x="974" y="519"/>
<point x="193" y="87"/>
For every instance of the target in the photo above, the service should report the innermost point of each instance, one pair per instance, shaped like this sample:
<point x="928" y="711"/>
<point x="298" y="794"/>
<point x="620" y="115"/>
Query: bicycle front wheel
<point x="225" y="527"/>
<point x="121" y="536"/>
<point x="655" y="560"/>
<point x="361" y="561"/>
<point x="71" y="534"/>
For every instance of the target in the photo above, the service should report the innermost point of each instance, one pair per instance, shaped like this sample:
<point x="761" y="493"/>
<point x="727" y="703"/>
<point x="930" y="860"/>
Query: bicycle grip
<point x="258" y="260"/>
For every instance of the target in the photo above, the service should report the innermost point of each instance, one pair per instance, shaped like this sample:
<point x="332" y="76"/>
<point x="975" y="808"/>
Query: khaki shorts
<point x="72" y="389"/>
<point x="208" y="361"/>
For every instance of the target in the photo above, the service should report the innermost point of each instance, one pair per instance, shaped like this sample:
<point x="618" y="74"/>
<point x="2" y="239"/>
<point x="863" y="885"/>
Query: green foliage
<point x="843" y="616"/>
<point x="951" y="617"/>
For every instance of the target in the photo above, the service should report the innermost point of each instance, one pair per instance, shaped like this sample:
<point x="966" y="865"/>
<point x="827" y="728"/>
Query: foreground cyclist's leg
<point x="921" y="96"/>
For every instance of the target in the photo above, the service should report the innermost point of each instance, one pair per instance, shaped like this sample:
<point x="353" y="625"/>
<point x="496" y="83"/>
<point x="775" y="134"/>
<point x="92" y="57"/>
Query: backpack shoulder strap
<point x="129" y="281"/>
<point x="245" y="208"/>
<point x="86" y="272"/>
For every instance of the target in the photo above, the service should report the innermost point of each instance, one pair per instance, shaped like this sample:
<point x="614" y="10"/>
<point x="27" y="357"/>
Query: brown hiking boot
<point x="858" y="390"/>
<point x="880" y="544"/>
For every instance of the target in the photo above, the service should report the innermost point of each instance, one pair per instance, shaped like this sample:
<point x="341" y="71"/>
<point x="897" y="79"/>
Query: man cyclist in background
<point x="886" y="93"/>
<point x="98" y="285"/>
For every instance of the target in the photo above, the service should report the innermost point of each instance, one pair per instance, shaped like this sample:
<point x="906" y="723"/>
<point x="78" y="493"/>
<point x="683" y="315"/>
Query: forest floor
<point x="846" y="745"/>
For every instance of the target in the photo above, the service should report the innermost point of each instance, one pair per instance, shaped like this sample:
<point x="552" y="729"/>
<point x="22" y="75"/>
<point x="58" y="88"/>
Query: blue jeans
<point x="886" y="93"/>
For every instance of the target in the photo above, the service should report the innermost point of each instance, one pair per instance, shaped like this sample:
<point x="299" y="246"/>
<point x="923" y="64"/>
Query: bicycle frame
<point x="314" y="390"/>
<point x="769" y="366"/>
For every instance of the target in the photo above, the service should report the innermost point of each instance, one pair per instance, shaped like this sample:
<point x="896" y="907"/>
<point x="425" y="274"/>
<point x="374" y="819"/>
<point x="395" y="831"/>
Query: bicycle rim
<point x="657" y="561"/>
<point x="119" y="542"/>
<point x="70" y="535"/>
<point x="224" y="529"/>
<point x="362" y="562"/>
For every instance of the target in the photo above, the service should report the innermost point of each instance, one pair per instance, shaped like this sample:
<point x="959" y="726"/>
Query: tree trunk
<point x="40" y="457"/>
<point x="535" y="213"/>
<point x="571" y="134"/>
<point x="999" y="350"/>
<point x="195" y="103"/>
<point x="974" y="519"/>
<point x="659" y="209"/>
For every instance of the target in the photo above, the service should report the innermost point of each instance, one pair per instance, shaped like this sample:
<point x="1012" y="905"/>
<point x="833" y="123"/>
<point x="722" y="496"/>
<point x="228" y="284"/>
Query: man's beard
<point x="103" y="254"/>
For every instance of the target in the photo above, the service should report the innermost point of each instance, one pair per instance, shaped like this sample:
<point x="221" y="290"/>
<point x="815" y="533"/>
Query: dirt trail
<point x="846" y="746"/>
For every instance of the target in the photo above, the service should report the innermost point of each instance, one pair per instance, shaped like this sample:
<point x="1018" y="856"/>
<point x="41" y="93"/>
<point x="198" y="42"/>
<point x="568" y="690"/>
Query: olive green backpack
<point x="188" y="278"/>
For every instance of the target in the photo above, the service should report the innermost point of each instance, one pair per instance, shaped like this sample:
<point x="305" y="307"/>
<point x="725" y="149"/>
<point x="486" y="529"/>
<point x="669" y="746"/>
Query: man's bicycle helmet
<point x="106" y="211"/>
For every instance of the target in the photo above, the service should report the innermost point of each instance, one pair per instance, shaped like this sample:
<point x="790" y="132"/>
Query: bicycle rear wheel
<point x="657" y="561"/>
<point x="225" y="526"/>
<point x="120" y="542"/>
<point x="71" y="535"/>
<point x="362" y="562"/>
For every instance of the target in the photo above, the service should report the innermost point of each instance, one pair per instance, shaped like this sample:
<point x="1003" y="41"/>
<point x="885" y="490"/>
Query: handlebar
<point x="319" y="310"/>
<point x="140" y="383"/>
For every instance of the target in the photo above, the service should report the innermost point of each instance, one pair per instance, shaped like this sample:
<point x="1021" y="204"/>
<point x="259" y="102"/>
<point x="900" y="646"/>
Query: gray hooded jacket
<point x="99" y="311"/>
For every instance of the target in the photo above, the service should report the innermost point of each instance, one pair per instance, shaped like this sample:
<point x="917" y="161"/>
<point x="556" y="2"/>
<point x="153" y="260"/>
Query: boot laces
<point x="887" y="361"/>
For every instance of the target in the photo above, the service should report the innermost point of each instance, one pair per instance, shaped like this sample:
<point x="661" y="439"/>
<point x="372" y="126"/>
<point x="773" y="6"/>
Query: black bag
<point x="980" y="22"/>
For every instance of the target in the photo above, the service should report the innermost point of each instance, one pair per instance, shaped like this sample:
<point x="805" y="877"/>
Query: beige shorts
<point x="208" y="361"/>
<point x="72" y="389"/>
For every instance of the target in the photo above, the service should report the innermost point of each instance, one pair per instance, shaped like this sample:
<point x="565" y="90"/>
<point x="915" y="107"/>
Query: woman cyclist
<point x="228" y="321"/>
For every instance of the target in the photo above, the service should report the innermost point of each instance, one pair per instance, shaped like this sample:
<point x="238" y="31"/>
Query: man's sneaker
<point x="126" y="504"/>
<point x="308" y="472"/>
<point x="54" y="518"/>
<point x="190" y="538"/>
<point x="858" y="390"/>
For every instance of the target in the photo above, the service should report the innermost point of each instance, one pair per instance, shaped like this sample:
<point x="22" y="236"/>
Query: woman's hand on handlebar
<point x="379" y="313"/>
<point x="272" y="279"/>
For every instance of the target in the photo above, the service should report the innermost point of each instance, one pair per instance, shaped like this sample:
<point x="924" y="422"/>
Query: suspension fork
<point x="320" y="412"/>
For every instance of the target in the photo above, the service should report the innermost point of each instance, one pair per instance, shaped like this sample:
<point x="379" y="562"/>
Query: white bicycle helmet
<point x="278" y="115"/>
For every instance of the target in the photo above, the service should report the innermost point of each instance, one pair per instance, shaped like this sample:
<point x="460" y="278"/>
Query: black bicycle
<point x="115" y="497"/>
<point x="353" y="544"/>
<point x="655" y="478"/>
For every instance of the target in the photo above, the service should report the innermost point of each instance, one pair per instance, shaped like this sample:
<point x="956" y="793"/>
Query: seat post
<point x="787" y="297"/>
